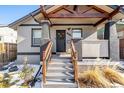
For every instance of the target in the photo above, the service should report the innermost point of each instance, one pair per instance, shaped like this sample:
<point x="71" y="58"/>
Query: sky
<point x="11" y="13"/>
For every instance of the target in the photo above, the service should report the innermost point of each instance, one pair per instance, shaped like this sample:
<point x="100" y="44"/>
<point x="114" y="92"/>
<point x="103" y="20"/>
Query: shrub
<point x="5" y="80"/>
<point x="26" y="73"/>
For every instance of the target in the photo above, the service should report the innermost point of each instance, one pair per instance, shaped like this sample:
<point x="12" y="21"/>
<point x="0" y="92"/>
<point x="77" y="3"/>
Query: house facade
<point x="8" y="44"/>
<point x="7" y="35"/>
<point x="63" y="23"/>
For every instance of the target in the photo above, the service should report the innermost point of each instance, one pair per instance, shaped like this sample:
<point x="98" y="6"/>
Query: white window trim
<point x="32" y="37"/>
<point x="80" y="29"/>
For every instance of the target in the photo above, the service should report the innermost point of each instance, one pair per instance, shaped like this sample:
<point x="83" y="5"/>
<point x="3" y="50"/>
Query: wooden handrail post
<point x="44" y="67"/>
<point x="46" y="57"/>
<point x="76" y="70"/>
<point x="74" y="59"/>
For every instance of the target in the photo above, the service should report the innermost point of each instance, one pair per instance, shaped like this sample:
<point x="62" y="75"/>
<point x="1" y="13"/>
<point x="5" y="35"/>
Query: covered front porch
<point x="81" y="23"/>
<point x="73" y="30"/>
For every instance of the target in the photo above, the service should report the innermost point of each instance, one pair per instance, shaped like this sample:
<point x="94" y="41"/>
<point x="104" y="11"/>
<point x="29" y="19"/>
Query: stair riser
<point x="56" y="60"/>
<point x="59" y="77"/>
<point x="61" y="63"/>
<point x="61" y="80"/>
<point x="60" y="86"/>
<point x="64" y="66"/>
<point x="60" y="71"/>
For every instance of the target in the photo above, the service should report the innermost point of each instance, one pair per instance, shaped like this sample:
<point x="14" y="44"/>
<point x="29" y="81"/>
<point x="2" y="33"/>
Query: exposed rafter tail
<point x="113" y="13"/>
<point x="43" y="11"/>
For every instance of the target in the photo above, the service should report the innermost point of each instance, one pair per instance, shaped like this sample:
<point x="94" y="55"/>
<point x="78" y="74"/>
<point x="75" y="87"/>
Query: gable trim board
<point x="86" y="24"/>
<point x="34" y="13"/>
<point x="30" y="25"/>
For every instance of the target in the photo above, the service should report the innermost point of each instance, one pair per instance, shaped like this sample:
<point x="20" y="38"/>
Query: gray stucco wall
<point x="24" y="44"/>
<point x="89" y="33"/>
<point x="114" y="43"/>
<point x="32" y="59"/>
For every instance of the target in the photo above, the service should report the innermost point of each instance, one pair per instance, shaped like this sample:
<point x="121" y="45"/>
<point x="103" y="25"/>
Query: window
<point x="100" y="33"/>
<point x="36" y="36"/>
<point x="76" y="33"/>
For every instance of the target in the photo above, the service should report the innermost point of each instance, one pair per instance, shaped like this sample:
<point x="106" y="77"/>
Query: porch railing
<point x="74" y="61"/>
<point x="46" y="57"/>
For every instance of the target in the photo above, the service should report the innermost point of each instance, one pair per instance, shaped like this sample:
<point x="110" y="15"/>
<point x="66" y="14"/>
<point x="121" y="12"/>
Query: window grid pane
<point x="36" y="38"/>
<point x="76" y="33"/>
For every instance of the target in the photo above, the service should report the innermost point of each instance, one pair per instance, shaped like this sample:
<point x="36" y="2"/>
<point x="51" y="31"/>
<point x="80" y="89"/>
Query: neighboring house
<point x="7" y="35"/>
<point x="8" y="44"/>
<point x="61" y="24"/>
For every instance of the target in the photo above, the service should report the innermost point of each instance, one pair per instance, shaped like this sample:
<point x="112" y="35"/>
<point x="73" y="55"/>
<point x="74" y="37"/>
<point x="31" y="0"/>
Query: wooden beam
<point x="77" y="15"/>
<point x="99" y="9"/>
<point x="43" y="11"/>
<point x="56" y="10"/>
<point x="70" y="11"/>
<point x="110" y="16"/>
<point x="75" y="7"/>
<point x="85" y="24"/>
<point x="87" y="10"/>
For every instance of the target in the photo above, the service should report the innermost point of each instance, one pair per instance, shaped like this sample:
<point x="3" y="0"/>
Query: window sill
<point x="35" y="45"/>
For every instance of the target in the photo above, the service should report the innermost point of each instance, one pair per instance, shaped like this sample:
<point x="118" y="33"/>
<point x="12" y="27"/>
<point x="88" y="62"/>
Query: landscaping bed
<point x="102" y="76"/>
<point x="10" y="78"/>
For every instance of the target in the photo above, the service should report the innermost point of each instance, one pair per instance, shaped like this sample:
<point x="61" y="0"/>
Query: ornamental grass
<point x="113" y="76"/>
<point x="93" y="79"/>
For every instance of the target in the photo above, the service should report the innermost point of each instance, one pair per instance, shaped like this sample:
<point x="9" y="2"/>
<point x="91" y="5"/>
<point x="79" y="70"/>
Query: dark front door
<point x="60" y="41"/>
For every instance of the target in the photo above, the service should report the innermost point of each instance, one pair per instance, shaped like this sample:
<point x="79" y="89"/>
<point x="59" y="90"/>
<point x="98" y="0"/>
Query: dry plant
<point x="104" y="77"/>
<point x="5" y="80"/>
<point x="94" y="79"/>
<point x="113" y="76"/>
<point x="27" y="72"/>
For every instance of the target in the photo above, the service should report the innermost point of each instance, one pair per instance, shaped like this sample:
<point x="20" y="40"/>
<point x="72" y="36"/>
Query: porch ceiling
<point x="81" y="14"/>
<point x="74" y="20"/>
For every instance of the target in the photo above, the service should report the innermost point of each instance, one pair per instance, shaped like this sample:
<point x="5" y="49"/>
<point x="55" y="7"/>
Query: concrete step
<point x="60" y="80"/>
<point x="60" y="65"/>
<point x="60" y="68"/>
<point x="60" y="60"/>
<point x="62" y="76"/>
<point x="61" y="57"/>
<point x="59" y="77"/>
<point x="60" y="71"/>
<point x="60" y="85"/>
